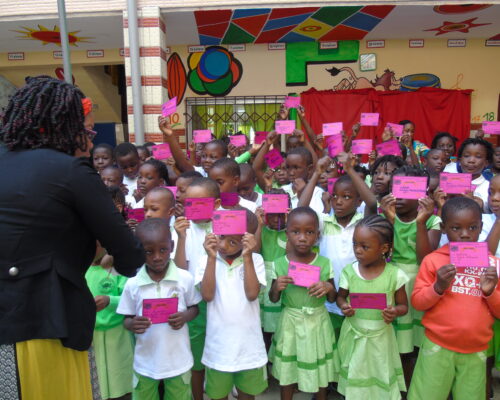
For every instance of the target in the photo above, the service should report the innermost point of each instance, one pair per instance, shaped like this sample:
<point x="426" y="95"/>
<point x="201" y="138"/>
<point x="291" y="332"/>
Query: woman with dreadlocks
<point x="53" y="208"/>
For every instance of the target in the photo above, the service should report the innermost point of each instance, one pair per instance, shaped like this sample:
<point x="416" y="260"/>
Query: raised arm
<point x="250" y="280"/>
<point x="427" y="239"/>
<point x="308" y="129"/>
<point x="177" y="153"/>
<point x="307" y="192"/>
<point x="208" y="282"/>
<point x="259" y="163"/>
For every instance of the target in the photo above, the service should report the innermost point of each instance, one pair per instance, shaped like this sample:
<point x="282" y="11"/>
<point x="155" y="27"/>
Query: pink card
<point x="238" y="140"/>
<point x="374" y="301"/>
<point x="169" y="107"/>
<point x="285" y="127"/>
<point x="292" y="102"/>
<point x="469" y="254"/>
<point x="161" y="151"/>
<point x="409" y="187"/>
<point x="229" y="199"/>
<point x="369" y="119"/>
<point x="260" y="137"/>
<point x="274" y="158"/>
<point x="229" y="222"/>
<point x="202" y="136"/>
<point x="275" y="203"/>
<point x="331" y="184"/>
<point x="173" y="189"/>
<point x="332" y="128"/>
<point x="362" y="146"/>
<point x="391" y="147"/>
<point x="199" y="208"/>
<point x="136" y="213"/>
<point x="335" y="146"/>
<point x="303" y="274"/>
<point x="455" y="183"/>
<point x="396" y="128"/>
<point x="159" y="310"/>
<point x="491" y="127"/>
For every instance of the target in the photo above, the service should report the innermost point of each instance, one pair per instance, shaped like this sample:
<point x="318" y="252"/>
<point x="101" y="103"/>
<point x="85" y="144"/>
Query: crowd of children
<point x="348" y="287"/>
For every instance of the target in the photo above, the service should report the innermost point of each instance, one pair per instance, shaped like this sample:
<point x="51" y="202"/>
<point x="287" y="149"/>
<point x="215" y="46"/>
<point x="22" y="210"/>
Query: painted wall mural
<point x="462" y="26"/>
<point x="176" y="78"/>
<point x="215" y="71"/>
<point x="53" y="35"/>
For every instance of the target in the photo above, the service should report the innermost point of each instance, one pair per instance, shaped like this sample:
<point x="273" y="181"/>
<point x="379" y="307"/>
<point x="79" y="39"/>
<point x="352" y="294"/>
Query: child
<point x="448" y="143"/>
<point x="435" y="160"/>
<point x="152" y="173"/>
<point x="112" y="176"/>
<point x="381" y="173"/>
<point x="112" y="343"/>
<point x="102" y="156"/>
<point x="182" y="182"/>
<point x="143" y="152"/>
<point x="159" y="203"/>
<point x="303" y="350"/>
<point x="226" y="172"/>
<point x="459" y="305"/>
<point x="246" y="187"/>
<point x="230" y="278"/>
<point x="162" y="350"/>
<point x="368" y="350"/>
<point x="419" y="148"/>
<point x="128" y="161"/>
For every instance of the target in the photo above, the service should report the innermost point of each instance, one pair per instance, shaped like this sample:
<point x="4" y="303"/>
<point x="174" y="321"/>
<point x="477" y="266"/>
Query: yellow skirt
<point x="48" y="370"/>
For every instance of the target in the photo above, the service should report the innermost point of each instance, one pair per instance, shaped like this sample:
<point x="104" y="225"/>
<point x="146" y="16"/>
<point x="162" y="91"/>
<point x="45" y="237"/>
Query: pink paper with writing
<point x="396" y="128"/>
<point x="469" y="254"/>
<point x="169" y="107"/>
<point x="292" y="102"/>
<point x="369" y="119"/>
<point x="332" y="128"/>
<point x="284" y="127"/>
<point x="455" y="183"/>
<point x="335" y="146"/>
<point x="161" y="151"/>
<point x="391" y="147"/>
<point x="199" y="208"/>
<point x="136" y="213"/>
<point x="229" y="199"/>
<point x="409" y="187"/>
<point x="260" y="137"/>
<point x="238" y="140"/>
<point x="362" y="146"/>
<point x="202" y="136"/>
<point x="303" y="274"/>
<point x="331" y="184"/>
<point x="274" y="158"/>
<point x="374" y="301"/>
<point x="159" y="310"/>
<point x="229" y="222"/>
<point x="491" y="127"/>
<point x="275" y="203"/>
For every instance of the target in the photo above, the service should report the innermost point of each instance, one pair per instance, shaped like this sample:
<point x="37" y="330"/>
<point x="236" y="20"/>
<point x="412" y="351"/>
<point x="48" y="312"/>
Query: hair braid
<point x="381" y="226"/>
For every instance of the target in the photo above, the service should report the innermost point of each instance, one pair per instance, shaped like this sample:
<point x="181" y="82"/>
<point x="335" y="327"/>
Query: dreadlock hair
<point x="384" y="160"/>
<point x="45" y="113"/>
<point x="382" y="227"/>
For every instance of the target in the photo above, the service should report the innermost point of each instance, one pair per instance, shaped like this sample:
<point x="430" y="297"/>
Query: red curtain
<point x="432" y="110"/>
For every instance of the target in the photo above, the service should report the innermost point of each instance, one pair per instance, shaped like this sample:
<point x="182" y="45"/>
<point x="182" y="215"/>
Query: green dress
<point x="273" y="247"/>
<point x="370" y="365"/>
<point x="409" y="328"/>
<point x="303" y="350"/>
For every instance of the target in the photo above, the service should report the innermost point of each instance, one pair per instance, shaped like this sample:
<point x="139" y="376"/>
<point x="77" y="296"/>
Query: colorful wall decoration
<point x="462" y="26"/>
<point x="215" y="71"/>
<point x="53" y="35"/>
<point x="176" y="78"/>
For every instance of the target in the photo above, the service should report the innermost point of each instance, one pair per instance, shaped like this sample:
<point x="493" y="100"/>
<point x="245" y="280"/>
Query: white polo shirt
<point x="234" y="339"/>
<point x="316" y="202"/>
<point x="131" y="184"/>
<point x="201" y="171"/>
<point x="195" y="237"/>
<point x="160" y="352"/>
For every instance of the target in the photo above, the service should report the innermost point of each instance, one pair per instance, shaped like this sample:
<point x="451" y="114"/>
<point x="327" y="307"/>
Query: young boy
<point x="435" y="160"/>
<point x="162" y="350"/>
<point x="226" y="172"/>
<point x="159" y="203"/>
<point x="182" y="182"/>
<point x="231" y="276"/>
<point x="459" y="305"/>
<point x="127" y="159"/>
<point x="248" y="182"/>
<point x="113" y="176"/>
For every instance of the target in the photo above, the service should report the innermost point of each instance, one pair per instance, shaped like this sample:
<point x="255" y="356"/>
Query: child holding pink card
<point x="231" y="276"/>
<point x="162" y="350"/>
<point x="368" y="333"/>
<point x="419" y="148"/>
<point x="152" y="173"/>
<point x="453" y="354"/>
<point x="448" y="143"/>
<point x="303" y="351"/>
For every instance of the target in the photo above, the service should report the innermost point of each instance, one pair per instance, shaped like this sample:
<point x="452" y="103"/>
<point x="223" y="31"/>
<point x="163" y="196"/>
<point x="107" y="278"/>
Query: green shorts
<point x="250" y="381"/>
<point x="197" y="332"/>
<point x="177" y="387"/>
<point x="439" y="371"/>
<point x="337" y="321"/>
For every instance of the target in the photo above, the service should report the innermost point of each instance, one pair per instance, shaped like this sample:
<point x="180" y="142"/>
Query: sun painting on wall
<point x="53" y="36"/>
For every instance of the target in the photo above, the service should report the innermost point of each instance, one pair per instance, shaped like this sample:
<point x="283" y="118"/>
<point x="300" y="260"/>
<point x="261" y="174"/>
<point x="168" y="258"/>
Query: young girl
<point x="370" y="364"/>
<point x="416" y="147"/>
<point x="102" y="156"/>
<point x="381" y="173"/>
<point x="152" y="173"/>
<point x="448" y="143"/>
<point x="303" y="350"/>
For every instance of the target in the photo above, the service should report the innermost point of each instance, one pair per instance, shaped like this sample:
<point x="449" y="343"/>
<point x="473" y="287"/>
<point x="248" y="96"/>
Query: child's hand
<point x="445" y="276"/>
<point x="254" y="149"/>
<point x="299" y="134"/>
<point x="107" y="261"/>
<point x="372" y="157"/>
<point x="232" y="150"/>
<point x="348" y="160"/>
<point x="323" y="164"/>
<point x="210" y="245"/>
<point x="101" y="302"/>
<point x="320" y="139"/>
<point x="177" y="320"/>
<point x="347" y="310"/>
<point x="388" y="134"/>
<point x="439" y="197"/>
<point x="389" y="314"/>
<point x="138" y="195"/>
<point x="268" y="179"/>
<point x="170" y="162"/>
<point x="299" y="184"/>
<point x="388" y="205"/>
<point x="165" y="126"/>
<point x="407" y="140"/>
<point x="181" y="225"/>
<point x="132" y="224"/>
<point x="124" y="189"/>
<point x="271" y="138"/>
<point x="319" y="289"/>
<point x="326" y="198"/>
<point x="140" y="324"/>
<point x="249" y="244"/>
<point x="282" y="282"/>
<point x="301" y="111"/>
<point x="261" y="216"/>
<point x="355" y="130"/>
<point x="425" y="209"/>
<point x="488" y="280"/>
<point x="192" y="147"/>
<point x="178" y="210"/>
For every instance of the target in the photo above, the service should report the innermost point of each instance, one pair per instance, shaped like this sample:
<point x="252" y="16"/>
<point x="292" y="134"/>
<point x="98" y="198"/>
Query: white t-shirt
<point x="234" y="340"/>
<point x="201" y="171"/>
<point x="451" y="168"/>
<point x="131" y="184"/>
<point x="481" y="190"/>
<point x="195" y="237"/>
<point x="488" y="222"/>
<point x="130" y="199"/>
<point x="160" y="352"/>
<point x="316" y="202"/>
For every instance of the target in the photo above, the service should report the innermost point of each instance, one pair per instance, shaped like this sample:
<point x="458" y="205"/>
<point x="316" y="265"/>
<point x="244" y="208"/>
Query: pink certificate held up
<point x="331" y="184"/>
<point x="202" y="136"/>
<point x="373" y="301"/>
<point x="292" y="102"/>
<point x="274" y="159"/>
<point x="369" y="119"/>
<point x="396" y="128"/>
<point x="260" y="137"/>
<point x="161" y="151"/>
<point x="159" y="310"/>
<point x="469" y="254"/>
<point x="229" y="199"/>
<point x="238" y="140"/>
<point x="455" y="183"/>
<point x="332" y="128"/>
<point x="409" y="187"/>
<point x="169" y="107"/>
<point x="491" y="127"/>
<point x="285" y="127"/>
<point x="199" y="208"/>
<point x="335" y="145"/>
<point x="229" y="222"/>
<point x="136" y="213"/>
<point x="275" y="203"/>
<point x="303" y="274"/>
<point x="362" y="146"/>
<point x="391" y="147"/>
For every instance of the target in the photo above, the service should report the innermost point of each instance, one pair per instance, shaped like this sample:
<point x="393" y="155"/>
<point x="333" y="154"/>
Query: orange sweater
<point x="460" y="319"/>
